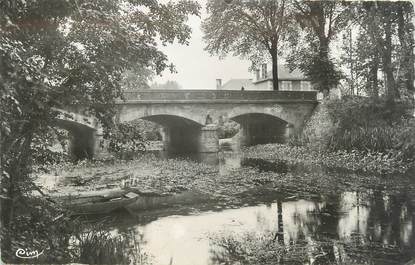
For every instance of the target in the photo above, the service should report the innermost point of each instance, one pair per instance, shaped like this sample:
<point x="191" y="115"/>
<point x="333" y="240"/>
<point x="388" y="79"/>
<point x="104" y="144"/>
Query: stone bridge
<point x="85" y="132"/>
<point x="190" y="117"/>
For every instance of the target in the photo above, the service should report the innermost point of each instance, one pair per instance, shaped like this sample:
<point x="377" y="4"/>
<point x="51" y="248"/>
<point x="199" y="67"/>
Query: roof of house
<point x="237" y="84"/>
<point x="284" y="74"/>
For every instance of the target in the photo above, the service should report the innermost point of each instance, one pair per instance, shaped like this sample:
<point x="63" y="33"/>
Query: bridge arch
<point x="278" y="112"/>
<point x="172" y="120"/>
<point x="180" y="133"/>
<point x="261" y="128"/>
<point x="157" y="112"/>
<point x="83" y="131"/>
<point x="184" y="127"/>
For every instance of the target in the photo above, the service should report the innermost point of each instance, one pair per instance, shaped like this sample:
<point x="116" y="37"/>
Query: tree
<point x="250" y="29"/>
<point x="56" y="53"/>
<point x="386" y="29"/>
<point x="320" y="21"/>
<point x="169" y="84"/>
<point x="405" y="13"/>
<point x="137" y="78"/>
<point x="362" y="61"/>
<point x="394" y="20"/>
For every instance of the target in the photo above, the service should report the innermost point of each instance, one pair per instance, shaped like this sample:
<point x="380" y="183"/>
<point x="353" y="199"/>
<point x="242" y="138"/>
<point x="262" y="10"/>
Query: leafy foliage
<point x="137" y="78"/>
<point x="58" y="53"/>
<point x="169" y="84"/>
<point x="149" y="130"/>
<point x="126" y="139"/>
<point x="51" y="234"/>
<point x="354" y="160"/>
<point x="382" y="37"/>
<point x="96" y="245"/>
<point x="350" y="112"/>
<point x="318" y="23"/>
<point x="366" y="125"/>
<point x="228" y="129"/>
<point x="255" y="30"/>
<point x="321" y="70"/>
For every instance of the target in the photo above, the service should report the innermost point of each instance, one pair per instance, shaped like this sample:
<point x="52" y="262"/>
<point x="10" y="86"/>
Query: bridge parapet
<point x="186" y="95"/>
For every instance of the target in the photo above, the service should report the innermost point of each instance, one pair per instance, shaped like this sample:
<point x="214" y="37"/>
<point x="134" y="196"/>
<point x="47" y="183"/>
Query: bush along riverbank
<point x="356" y="133"/>
<point x="350" y="160"/>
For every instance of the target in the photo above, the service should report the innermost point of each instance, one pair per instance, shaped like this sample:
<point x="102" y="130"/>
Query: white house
<point x="288" y="80"/>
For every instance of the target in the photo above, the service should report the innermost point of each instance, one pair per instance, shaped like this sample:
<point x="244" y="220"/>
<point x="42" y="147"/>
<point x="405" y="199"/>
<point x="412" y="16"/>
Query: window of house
<point x="286" y="85"/>
<point x="305" y="85"/>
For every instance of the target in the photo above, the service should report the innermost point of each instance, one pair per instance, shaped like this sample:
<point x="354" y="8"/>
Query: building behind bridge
<point x="263" y="79"/>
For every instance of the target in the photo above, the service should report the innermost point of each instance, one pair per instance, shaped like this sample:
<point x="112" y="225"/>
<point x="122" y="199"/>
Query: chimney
<point x="257" y="74"/>
<point x="218" y="83"/>
<point x="264" y="70"/>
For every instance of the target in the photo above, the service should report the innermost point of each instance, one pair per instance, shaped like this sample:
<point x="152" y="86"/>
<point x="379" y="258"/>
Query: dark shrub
<point x="355" y="112"/>
<point x="228" y="129"/>
<point x="363" y="124"/>
<point x="368" y="124"/>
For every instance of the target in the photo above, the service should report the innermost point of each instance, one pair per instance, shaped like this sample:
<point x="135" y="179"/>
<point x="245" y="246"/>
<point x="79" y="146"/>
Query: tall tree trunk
<point x="275" y="79"/>
<point x="280" y="223"/>
<point x="18" y="172"/>
<point x="372" y="30"/>
<point x="373" y="76"/>
<point x="406" y="40"/>
<point x="391" y="92"/>
<point x="324" y="59"/>
<point x="352" y="76"/>
<point x="410" y="74"/>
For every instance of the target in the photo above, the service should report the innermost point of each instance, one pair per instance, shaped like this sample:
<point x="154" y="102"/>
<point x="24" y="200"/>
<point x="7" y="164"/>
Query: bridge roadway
<point x="190" y="117"/>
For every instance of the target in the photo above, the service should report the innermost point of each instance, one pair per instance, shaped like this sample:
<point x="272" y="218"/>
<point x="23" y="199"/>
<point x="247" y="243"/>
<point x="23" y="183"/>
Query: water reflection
<point x="361" y="225"/>
<point x="374" y="221"/>
<point x="227" y="161"/>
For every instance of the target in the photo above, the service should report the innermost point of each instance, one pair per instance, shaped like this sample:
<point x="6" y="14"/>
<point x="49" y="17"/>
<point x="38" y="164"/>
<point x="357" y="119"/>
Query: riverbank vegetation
<point x="373" y="125"/>
<point x="359" y="133"/>
<point x="265" y="248"/>
<point x="349" y="160"/>
<point x="163" y="177"/>
<point x="371" y="121"/>
<point x="55" y="54"/>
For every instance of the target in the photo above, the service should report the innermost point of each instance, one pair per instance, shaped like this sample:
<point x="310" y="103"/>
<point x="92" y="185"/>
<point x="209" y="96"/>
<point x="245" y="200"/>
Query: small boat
<point x="100" y="204"/>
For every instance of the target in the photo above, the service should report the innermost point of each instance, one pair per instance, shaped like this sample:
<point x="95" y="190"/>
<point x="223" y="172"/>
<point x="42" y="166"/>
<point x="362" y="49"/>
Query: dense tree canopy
<point x="252" y="29"/>
<point x="137" y="78"/>
<point x="304" y="33"/>
<point x="381" y="48"/>
<point x="318" y="24"/>
<point x="56" y="53"/>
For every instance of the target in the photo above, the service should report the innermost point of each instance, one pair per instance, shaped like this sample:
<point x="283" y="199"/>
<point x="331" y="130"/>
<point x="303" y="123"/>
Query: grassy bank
<point x="357" y="133"/>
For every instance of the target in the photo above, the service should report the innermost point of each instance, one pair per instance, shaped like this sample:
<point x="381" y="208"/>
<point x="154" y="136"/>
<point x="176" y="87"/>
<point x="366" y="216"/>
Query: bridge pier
<point x="208" y="141"/>
<point x="100" y="146"/>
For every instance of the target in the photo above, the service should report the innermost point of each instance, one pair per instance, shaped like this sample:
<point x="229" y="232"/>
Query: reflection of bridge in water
<point x="190" y="117"/>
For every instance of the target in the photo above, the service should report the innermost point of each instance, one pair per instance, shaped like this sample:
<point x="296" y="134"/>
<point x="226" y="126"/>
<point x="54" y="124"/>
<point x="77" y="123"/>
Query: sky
<point x="196" y="69"/>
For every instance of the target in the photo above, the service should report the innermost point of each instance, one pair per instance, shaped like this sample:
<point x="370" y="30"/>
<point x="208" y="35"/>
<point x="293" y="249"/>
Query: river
<point x="356" y="225"/>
